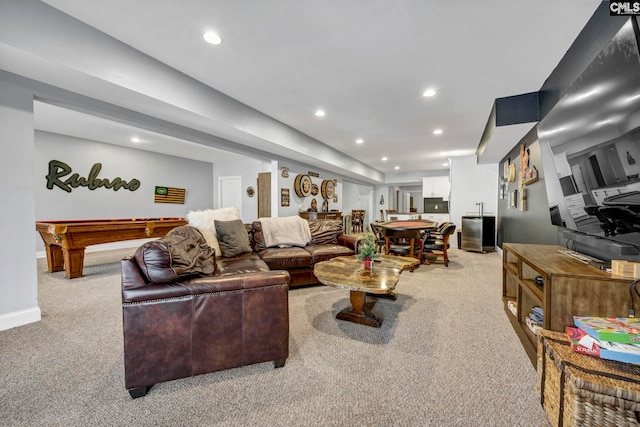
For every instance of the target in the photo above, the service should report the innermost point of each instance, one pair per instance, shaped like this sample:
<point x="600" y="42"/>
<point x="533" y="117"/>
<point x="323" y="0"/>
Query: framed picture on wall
<point x="284" y="197"/>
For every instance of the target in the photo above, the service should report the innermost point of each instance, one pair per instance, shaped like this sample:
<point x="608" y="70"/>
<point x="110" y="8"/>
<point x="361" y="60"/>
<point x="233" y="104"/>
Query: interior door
<point x="230" y="192"/>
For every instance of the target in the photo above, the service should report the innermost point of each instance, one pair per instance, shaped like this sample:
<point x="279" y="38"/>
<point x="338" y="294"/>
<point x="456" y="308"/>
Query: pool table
<point x="66" y="240"/>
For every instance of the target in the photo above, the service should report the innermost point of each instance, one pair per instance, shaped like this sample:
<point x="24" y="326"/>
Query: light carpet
<point x="446" y="355"/>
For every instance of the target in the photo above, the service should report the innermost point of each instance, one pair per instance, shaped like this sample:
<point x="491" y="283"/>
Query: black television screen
<point x="592" y="165"/>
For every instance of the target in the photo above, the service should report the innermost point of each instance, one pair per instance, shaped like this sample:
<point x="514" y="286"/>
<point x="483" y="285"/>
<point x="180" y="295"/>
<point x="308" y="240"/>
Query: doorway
<point x="230" y="192"/>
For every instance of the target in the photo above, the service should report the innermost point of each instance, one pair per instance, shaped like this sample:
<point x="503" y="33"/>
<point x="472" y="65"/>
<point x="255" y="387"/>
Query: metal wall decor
<point x="285" y="172"/>
<point x="327" y="189"/>
<point x="302" y="185"/>
<point x="251" y="191"/>
<point x="59" y="170"/>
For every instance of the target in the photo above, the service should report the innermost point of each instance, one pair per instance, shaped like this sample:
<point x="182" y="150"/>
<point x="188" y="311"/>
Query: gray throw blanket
<point x="285" y="231"/>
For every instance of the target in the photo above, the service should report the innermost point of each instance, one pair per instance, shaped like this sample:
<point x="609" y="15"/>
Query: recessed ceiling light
<point x="384" y="159"/>
<point x="135" y="139"/>
<point x="211" y="37"/>
<point x="359" y="141"/>
<point x="397" y="167"/>
<point x="429" y="93"/>
<point x="320" y="113"/>
<point x="437" y="132"/>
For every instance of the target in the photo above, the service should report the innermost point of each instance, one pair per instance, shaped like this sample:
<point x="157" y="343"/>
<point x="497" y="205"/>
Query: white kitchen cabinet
<point x="436" y="186"/>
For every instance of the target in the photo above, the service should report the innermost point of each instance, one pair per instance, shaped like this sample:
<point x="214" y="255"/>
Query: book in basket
<point x="613" y="329"/>
<point x="581" y="342"/>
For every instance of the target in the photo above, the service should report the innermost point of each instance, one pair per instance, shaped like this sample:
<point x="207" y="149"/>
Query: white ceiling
<point x="365" y="62"/>
<point x="80" y="125"/>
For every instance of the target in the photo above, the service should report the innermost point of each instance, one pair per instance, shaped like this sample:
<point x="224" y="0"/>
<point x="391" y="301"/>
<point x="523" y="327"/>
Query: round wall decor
<point x="302" y="185"/>
<point x="314" y="189"/>
<point x="251" y="191"/>
<point x="327" y="189"/>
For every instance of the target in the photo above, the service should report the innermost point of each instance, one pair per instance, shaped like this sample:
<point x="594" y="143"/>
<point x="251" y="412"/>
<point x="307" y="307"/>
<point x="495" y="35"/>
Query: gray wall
<point x="149" y="168"/>
<point x="18" y="283"/>
<point x="533" y="225"/>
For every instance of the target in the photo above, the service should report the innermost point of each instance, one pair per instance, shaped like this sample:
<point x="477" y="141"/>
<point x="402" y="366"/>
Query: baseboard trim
<point x="19" y="318"/>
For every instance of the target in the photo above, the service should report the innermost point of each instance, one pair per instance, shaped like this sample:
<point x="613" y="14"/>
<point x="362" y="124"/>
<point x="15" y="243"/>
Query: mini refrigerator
<point x="478" y="233"/>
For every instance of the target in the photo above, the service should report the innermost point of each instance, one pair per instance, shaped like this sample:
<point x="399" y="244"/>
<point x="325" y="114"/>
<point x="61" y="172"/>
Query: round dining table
<point x="410" y="229"/>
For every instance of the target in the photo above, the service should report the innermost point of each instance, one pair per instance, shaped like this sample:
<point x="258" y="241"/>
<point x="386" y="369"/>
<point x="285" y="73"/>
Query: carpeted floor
<point x="445" y="355"/>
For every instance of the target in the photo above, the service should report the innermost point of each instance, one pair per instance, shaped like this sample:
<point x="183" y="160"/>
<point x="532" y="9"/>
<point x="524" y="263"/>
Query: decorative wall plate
<point x="285" y="172"/>
<point x="314" y="190"/>
<point x="302" y="185"/>
<point x="327" y="189"/>
<point x="251" y="191"/>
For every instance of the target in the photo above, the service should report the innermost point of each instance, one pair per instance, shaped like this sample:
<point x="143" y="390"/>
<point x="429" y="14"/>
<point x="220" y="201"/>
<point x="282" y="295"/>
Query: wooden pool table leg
<point x="55" y="260"/>
<point x="359" y="311"/>
<point x="73" y="262"/>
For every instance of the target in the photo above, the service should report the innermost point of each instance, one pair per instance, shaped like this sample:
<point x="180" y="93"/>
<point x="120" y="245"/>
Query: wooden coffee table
<point x="349" y="273"/>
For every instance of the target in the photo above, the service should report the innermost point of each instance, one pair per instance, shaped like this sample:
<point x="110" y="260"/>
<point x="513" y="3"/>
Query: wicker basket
<point x="580" y="390"/>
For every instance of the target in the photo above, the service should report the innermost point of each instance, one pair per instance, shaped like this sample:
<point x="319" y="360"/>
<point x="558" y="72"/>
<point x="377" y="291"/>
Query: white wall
<point x="471" y="183"/>
<point x="248" y="170"/>
<point x="18" y="283"/>
<point x="296" y="203"/>
<point x="149" y="168"/>
<point x="357" y="196"/>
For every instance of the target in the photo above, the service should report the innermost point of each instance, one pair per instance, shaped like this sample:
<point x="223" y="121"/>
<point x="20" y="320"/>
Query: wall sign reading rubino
<point x="58" y="171"/>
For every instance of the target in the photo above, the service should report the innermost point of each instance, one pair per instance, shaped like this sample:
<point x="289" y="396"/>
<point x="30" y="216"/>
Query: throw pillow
<point x="204" y="221"/>
<point x="182" y="252"/>
<point x="258" y="236"/>
<point x="232" y="237"/>
<point x="325" y="231"/>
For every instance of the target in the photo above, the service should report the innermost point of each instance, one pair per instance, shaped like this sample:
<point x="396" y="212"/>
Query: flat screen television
<point x="592" y="164"/>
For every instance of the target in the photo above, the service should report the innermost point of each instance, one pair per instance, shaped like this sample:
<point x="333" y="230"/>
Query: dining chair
<point x="403" y="242"/>
<point x="377" y="231"/>
<point x="436" y="234"/>
<point x="357" y="220"/>
<point x="436" y="244"/>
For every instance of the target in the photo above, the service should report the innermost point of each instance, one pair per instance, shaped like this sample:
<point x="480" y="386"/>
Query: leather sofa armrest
<point x="132" y="277"/>
<point x="350" y="241"/>
<point x="205" y="285"/>
<point x="237" y="282"/>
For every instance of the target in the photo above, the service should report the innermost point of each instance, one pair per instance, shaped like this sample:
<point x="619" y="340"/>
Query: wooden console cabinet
<point x="312" y="216"/>
<point x="569" y="288"/>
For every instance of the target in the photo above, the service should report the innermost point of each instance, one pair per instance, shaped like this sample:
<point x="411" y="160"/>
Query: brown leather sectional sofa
<point x="327" y="241"/>
<point x="236" y="316"/>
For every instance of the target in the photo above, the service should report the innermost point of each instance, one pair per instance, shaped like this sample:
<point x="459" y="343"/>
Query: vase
<point x="368" y="263"/>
